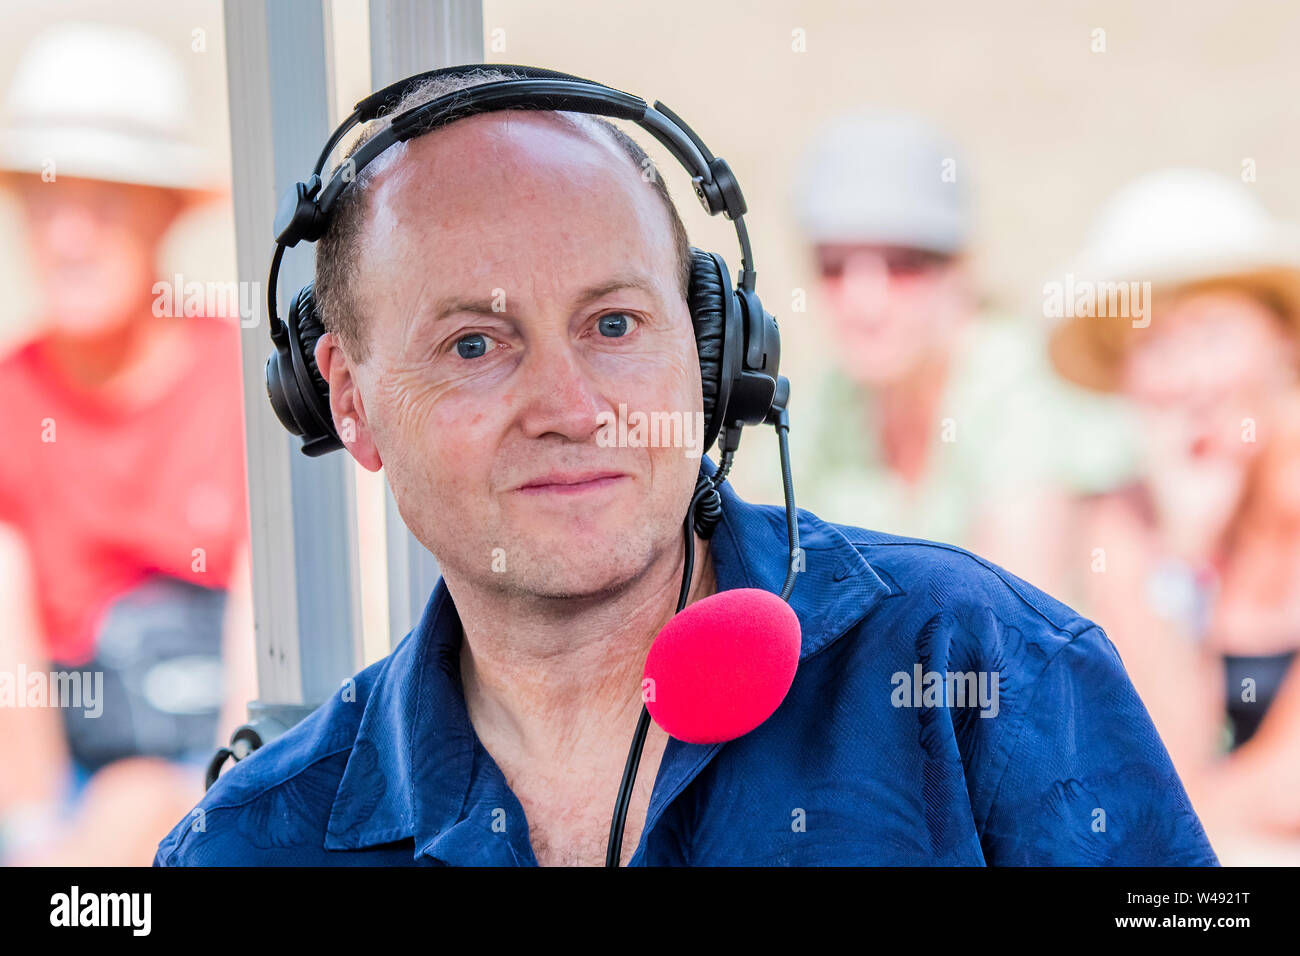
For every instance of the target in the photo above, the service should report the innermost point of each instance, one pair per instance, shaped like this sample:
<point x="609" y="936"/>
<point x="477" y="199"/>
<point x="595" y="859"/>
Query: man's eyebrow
<point x="451" y="305"/>
<point x="625" y="280"/>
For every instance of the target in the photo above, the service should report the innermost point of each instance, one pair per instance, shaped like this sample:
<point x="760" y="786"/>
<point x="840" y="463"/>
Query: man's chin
<point x="572" y="561"/>
<point x="569" y="582"/>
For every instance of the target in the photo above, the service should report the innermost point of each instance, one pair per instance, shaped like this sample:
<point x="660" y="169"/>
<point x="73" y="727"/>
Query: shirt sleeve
<point x="1089" y="782"/>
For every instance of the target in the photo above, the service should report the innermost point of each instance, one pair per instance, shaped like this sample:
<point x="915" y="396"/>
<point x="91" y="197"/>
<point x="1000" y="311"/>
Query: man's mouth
<point x="572" y="483"/>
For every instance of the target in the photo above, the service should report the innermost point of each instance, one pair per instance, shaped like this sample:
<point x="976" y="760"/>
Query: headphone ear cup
<point x="310" y="329"/>
<point x="297" y="389"/>
<point x="707" y="301"/>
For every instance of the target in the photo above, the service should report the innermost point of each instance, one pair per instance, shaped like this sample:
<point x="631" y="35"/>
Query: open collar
<point x="411" y="770"/>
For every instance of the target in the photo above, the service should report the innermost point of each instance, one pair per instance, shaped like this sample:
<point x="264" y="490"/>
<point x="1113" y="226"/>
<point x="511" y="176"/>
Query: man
<point x="496" y="733"/>
<point x="937" y="417"/>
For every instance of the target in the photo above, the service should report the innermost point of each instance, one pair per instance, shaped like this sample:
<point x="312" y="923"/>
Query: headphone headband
<point x="305" y="210"/>
<point x="489" y="97"/>
<point x="373" y="106"/>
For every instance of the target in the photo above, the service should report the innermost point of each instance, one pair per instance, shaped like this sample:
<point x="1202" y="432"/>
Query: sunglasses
<point x="899" y="261"/>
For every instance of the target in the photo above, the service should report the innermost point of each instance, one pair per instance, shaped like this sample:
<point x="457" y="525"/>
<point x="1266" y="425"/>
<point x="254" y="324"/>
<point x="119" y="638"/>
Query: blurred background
<point x="944" y="202"/>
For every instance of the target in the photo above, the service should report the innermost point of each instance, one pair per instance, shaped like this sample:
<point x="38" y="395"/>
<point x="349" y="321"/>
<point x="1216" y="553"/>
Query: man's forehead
<point x="509" y="193"/>
<point x="506" y="140"/>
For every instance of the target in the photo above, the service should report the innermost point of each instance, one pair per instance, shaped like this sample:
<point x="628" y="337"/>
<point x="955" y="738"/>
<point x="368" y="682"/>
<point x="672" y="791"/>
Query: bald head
<point x="344" y="311"/>
<point x="494" y="207"/>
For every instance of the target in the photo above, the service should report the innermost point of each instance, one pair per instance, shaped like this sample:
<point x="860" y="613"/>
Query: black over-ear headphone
<point x="737" y="340"/>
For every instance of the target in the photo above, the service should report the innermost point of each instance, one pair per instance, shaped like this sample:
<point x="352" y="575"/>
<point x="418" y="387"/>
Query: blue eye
<point x="614" y="325"/>
<point x="473" y="345"/>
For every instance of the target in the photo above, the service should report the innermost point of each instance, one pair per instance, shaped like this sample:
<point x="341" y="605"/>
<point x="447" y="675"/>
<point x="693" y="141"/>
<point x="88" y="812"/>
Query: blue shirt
<point x="1044" y="755"/>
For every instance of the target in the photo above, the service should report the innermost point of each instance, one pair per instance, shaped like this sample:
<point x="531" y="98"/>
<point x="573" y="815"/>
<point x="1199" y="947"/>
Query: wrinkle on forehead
<point x="546" y="156"/>
<point x="433" y="152"/>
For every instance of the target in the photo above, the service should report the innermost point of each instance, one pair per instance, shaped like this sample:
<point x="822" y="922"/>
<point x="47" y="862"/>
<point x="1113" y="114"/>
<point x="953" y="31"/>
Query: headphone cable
<point x="614" y="848"/>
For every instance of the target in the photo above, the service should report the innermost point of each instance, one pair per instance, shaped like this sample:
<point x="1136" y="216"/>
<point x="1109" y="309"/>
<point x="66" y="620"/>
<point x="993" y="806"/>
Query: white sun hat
<point x="1174" y="228"/>
<point x="884" y="177"/>
<point x="101" y="102"/>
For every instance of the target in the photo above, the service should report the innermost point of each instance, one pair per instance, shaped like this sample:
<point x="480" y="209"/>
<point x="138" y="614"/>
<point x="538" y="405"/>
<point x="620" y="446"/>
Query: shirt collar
<point x="415" y="736"/>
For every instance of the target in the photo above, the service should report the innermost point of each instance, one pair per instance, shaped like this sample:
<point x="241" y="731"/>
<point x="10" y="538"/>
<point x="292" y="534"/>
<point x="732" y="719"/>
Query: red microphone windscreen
<point x="722" y="665"/>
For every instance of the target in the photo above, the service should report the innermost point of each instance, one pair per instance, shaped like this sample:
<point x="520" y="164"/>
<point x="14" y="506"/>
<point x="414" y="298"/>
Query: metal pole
<point x="302" y="511"/>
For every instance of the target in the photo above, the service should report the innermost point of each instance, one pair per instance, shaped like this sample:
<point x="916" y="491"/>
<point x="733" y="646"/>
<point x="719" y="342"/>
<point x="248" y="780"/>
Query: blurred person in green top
<point x="934" y="419"/>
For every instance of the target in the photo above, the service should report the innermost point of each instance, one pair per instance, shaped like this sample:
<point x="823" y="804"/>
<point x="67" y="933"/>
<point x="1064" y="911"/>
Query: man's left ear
<point x="346" y="405"/>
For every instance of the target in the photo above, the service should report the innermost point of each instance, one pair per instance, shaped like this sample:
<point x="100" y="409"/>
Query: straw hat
<point x="99" y="102"/>
<point x="1177" y="229"/>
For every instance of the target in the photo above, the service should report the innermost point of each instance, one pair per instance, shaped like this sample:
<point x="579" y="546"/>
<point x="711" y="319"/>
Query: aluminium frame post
<point x="302" y="511"/>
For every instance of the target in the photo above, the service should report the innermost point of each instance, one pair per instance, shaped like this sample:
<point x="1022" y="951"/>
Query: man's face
<point x="519" y="278"/>
<point x="893" y="307"/>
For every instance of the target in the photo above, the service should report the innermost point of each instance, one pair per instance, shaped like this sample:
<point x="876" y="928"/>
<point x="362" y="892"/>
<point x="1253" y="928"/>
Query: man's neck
<point x="560" y="679"/>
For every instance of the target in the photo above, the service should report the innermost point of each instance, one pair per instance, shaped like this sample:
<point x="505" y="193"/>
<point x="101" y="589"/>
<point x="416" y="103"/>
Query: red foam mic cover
<point x="722" y="665"/>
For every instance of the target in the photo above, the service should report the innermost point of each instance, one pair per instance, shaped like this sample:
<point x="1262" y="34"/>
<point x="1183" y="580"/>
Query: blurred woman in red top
<point x="123" y="514"/>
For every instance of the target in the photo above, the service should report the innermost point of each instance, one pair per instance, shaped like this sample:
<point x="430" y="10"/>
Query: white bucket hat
<point x="99" y="102"/>
<point x="876" y="176"/>
<point x="1174" y="228"/>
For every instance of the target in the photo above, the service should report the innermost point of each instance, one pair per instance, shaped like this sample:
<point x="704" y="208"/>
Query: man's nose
<point x="558" y="392"/>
